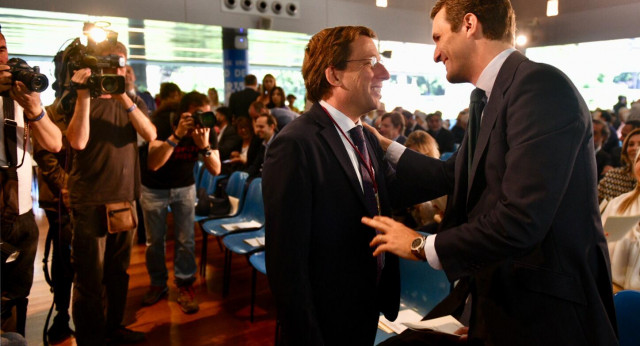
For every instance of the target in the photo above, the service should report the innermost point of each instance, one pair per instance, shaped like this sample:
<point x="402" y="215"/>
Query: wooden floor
<point x="220" y="321"/>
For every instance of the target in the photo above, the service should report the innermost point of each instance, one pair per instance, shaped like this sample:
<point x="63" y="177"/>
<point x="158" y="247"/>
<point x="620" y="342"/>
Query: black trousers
<point x="61" y="270"/>
<point x="17" y="276"/>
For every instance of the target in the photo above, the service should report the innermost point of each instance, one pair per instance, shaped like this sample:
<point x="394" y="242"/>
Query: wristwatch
<point x="417" y="247"/>
<point x="206" y="152"/>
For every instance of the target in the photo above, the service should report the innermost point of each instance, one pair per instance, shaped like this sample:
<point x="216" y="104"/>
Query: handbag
<point x="120" y="217"/>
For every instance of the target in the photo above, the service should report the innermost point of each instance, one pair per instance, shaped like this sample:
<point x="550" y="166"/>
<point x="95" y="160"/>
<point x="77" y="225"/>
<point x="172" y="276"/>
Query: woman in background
<point x="621" y="179"/>
<point x="625" y="253"/>
<point x="214" y="99"/>
<point x="268" y="83"/>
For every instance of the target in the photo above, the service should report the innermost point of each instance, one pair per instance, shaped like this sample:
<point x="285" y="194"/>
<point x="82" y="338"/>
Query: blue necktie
<point x="475" y="115"/>
<point x="367" y="182"/>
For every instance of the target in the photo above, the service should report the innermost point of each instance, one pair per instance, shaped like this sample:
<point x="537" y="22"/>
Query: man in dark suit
<point x="228" y="138"/>
<point x="240" y="101"/>
<point x="392" y="127"/>
<point x="319" y="178"/>
<point x="522" y="230"/>
<point x="410" y="123"/>
<point x="444" y="137"/>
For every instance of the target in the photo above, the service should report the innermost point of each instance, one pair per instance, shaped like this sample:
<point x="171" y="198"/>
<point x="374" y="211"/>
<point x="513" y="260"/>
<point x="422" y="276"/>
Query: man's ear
<point x="333" y="76"/>
<point x="471" y="25"/>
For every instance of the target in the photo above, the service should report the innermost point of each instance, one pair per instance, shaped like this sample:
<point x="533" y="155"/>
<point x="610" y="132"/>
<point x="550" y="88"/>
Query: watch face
<point x="415" y="244"/>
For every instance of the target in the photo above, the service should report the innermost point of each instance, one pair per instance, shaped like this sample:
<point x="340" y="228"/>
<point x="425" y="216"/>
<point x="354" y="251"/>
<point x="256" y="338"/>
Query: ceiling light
<point x="552" y="8"/>
<point x="381" y="3"/>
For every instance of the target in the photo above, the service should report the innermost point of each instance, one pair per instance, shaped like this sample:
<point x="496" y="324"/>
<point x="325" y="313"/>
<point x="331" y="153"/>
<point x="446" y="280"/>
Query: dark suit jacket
<point x="526" y="232"/>
<point x="240" y="101"/>
<point x="229" y="142"/>
<point x="321" y="268"/>
<point x="445" y="139"/>
<point x="408" y="131"/>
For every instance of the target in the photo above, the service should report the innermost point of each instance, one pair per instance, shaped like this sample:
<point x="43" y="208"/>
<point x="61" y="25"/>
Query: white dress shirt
<point x="485" y="82"/>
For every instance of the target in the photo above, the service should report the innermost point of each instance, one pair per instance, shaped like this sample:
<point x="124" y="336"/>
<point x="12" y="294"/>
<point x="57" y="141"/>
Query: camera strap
<point x="10" y="134"/>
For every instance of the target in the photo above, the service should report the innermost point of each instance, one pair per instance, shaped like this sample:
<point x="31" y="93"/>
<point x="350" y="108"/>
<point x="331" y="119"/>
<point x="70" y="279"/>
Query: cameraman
<point x="20" y="111"/>
<point x="169" y="181"/>
<point x="105" y="171"/>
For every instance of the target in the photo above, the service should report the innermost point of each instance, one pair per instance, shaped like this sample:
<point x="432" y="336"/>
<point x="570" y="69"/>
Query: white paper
<point x="255" y="242"/>
<point x="617" y="227"/>
<point x="242" y="225"/>
<point x="397" y="326"/>
<point x="447" y="324"/>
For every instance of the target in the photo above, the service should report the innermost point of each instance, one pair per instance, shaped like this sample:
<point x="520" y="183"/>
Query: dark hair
<point x="167" y="89"/>
<point x="497" y="16"/>
<point x="250" y="80"/>
<point x="397" y="120"/>
<point x="244" y="122"/>
<point x="605" y="129"/>
<point x="226" y="112"/>
<point x="271" y="120"/>
<point x="107" y="47"/>
<point x="407" y="114"/>
<point x="605" y="115"/>
<point x="271" y="96"/>
<point x="329" y="47"/>
<point x="436" y="114"/>
<point x="634" y="123"/>
<point x="260" y="107"/>
<point x="193" y="98"/>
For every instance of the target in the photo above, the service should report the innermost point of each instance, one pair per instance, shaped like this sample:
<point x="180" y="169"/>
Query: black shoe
<point x="124" y="335"/>
<point x="154" y="294"/>
<point x="59" y="330"/>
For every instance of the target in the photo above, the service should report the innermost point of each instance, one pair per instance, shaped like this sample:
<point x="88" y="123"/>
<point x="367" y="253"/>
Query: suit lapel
<point x="490" y="113"/>
<point x="333" y="139"/>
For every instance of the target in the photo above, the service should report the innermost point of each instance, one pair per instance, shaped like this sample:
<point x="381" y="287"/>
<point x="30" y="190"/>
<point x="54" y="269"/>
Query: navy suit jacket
<point x="524" y="232"/>
<point x="321" y="269"/>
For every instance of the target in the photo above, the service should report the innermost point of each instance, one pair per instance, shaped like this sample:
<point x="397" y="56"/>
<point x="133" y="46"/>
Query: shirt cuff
<point x="394" y="151"/>
<point x="430" y="251"/>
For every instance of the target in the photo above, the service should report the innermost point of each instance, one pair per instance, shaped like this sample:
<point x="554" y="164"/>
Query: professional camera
<point x="30" y="76"/>
<point x="204" y="119"/>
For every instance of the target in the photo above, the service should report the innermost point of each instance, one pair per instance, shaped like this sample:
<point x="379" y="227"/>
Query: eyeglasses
<point x="373" y="61"/>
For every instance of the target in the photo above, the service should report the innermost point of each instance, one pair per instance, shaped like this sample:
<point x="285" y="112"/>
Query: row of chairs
<point x="249" y="207"/>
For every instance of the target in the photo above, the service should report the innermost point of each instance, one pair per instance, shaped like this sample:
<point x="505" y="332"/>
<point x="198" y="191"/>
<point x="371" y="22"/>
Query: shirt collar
<point x="490" y="73"/>
<point x="340" y="118"/>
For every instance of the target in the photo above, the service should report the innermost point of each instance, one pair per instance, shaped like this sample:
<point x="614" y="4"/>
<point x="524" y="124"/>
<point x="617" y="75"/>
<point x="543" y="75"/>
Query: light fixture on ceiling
<point x="381" y="3"/>
<point x="552" y="8"/>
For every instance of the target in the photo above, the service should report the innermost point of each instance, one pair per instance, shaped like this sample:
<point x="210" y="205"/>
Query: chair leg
<point x="253" y="292"/>
<point x="220" y="243"/>
<point x="203" y="256"/>
<point x="226" y="276"/>
<point x="277" y="341"/>
<point x="21" y="315"/>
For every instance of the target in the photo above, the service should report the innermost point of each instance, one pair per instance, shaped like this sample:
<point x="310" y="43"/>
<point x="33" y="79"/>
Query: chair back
<point x="422" y="287"/>
<point x="446" y="156"/>
<point x="197" y="172"/>
<point x="627" y="305"/>
<point x="257" y="261"/>
<point x="235" y="185"/>
<point x="208" y="181"/>
<point x="253" y="206"/>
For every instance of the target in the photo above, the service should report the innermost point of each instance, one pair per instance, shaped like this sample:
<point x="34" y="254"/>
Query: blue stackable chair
<point x="421" y="288"/>
<point x="249" y="208"/>
<point x="197" y="171"/>
<point x="235" y="243"/>
<point x="627" y="305"/>
<point x="258" y="263"/>
<point x="446" y="156"/>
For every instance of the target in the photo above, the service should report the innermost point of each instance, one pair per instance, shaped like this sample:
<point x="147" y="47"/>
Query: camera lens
<point x="109" y="85"/>
<point x="39" y="83"/>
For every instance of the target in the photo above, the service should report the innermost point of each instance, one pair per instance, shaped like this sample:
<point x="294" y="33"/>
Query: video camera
<point x="30" y="76"/>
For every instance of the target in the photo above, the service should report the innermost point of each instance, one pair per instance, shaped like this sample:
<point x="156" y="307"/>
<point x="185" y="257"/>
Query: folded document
<point x="447" y="325"/>
<point x="242" y="225"/>
<point x="255" y="242"/>
<point x="616" y="227"/>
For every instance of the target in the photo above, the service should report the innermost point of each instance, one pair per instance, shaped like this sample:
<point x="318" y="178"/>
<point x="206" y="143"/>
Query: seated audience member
<point x="256" y="109"/>
<point x="443" y="136"/>
<point x="610" y="142"/>
<point x="169" y="182"/>
<point x="282" y="114"/>
<point x="265" y="128"/>
<point x="621" y="179"/>
<point x="244" y="156"/>
<point x="603" y="158"/>
<point x="625" y="129"/>
<point x="625" y="261"/>
<point x="428" y="213"/>
<point x="460" y="127"/>
<point x="291" y="99"/>
<point x="214" y="99"/>
<point x="392" y="127"/>
<point x="227" y="138"/>
<point x="268" y="83"/>
<point x="410" y="121"/>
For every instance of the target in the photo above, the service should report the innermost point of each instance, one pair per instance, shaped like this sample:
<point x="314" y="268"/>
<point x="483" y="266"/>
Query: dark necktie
<point x="367" y="182"/>
<point x="475" y="115"/>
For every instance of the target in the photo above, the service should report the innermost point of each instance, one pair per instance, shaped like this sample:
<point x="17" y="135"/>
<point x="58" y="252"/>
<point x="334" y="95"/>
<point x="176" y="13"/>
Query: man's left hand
<point x="394" y="237"/>
<point x="201" y="136"/>
<point x="29" y="100"/>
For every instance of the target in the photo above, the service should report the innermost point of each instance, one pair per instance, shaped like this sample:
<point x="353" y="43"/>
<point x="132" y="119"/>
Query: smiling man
<point x="321" y="175"/>
<point x="522" y="232"/>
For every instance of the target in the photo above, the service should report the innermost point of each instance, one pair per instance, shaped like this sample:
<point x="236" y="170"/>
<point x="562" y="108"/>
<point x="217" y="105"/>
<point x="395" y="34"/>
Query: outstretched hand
<point x="394" y="237"/>
<point x="384" y="142"/>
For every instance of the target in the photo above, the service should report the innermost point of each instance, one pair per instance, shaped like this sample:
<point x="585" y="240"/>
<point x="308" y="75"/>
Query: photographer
<point x="21" y="115"/>
<point x="103" y="185"/>
<point x="168" y="180"/>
